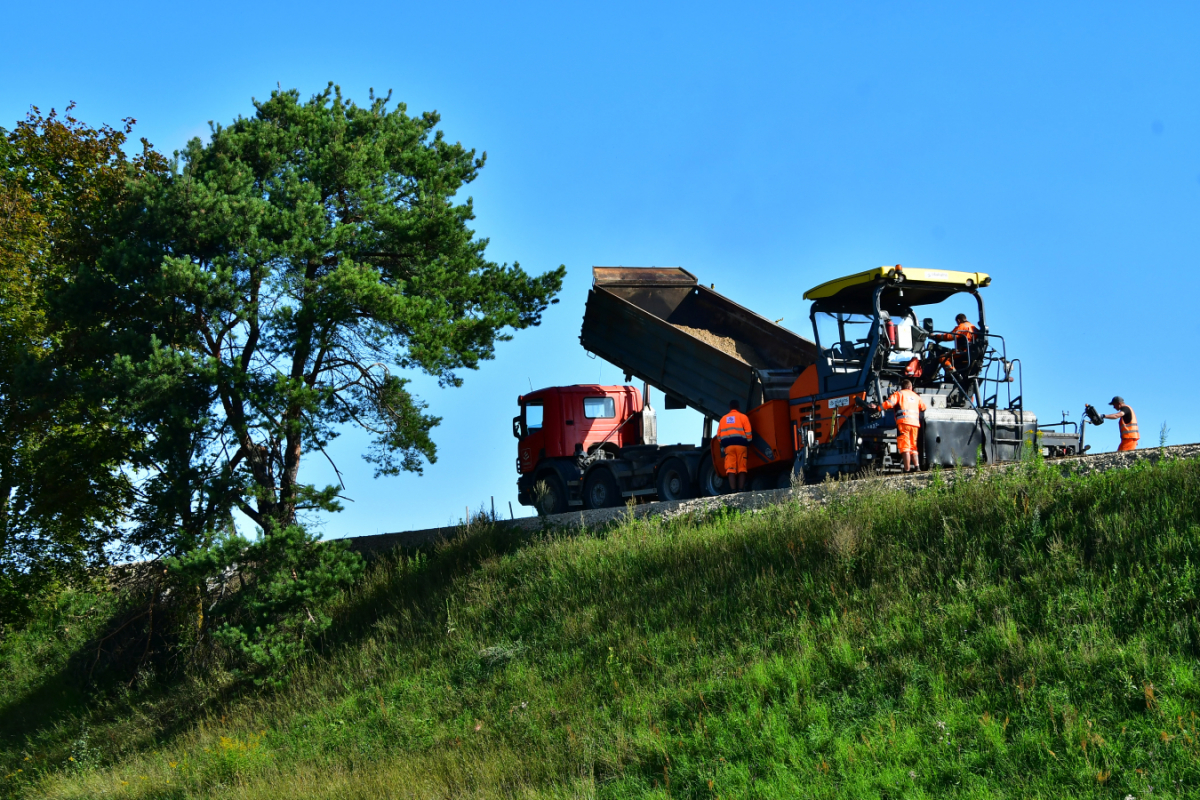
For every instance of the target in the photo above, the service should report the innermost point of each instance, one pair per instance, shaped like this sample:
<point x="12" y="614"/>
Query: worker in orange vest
<point x="1127" y="425"/>
<point x="908" y="405"/>
<point x="963" y="335"/>
<point x="734" y="434"/>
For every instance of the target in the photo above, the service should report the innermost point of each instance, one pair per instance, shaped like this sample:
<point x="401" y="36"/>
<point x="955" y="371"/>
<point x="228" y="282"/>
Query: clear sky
<point x="764" y="147"/>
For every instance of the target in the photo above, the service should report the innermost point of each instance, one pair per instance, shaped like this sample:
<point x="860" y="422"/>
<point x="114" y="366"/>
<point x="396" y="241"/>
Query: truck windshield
<point x="599" y="408"/>
<point x="842" y="337"/>
<point x="533" y="415"/>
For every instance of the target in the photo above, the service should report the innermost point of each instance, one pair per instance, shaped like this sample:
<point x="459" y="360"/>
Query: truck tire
<point x="674" y="482"/>
<point x="600" y="490"/>
<point x="552" y="497"/>
<point x="711" y="484"/>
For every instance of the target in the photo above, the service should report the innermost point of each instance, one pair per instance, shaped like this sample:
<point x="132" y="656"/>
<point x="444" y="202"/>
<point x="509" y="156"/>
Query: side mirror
<point x="927" y="324"/>
<point x="517" y="428"/>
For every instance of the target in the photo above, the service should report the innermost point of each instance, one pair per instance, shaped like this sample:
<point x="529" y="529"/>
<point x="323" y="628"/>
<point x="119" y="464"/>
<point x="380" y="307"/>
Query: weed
<point x="541" y="491"/>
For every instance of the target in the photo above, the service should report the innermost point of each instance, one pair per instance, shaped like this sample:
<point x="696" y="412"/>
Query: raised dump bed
<point x="698" y="347"/>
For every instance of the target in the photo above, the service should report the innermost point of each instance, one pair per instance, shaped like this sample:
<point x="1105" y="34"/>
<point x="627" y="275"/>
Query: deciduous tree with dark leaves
<point x="64" y="190"/>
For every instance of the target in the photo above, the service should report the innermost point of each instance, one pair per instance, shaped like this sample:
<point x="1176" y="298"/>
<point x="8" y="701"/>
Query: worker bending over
<point x="1128" y="424"/>
<point x="908" y="405"/>
<point x="963" y="335"/>
<point x="734" y="434"/>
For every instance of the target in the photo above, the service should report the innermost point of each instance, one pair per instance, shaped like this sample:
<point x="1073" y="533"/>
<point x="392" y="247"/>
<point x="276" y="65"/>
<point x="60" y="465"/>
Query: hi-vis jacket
<point x="1129" y="430"/>
<point x="734" y="429"/>
<point x="908" y="405"/>
<point x="962" y="335"/>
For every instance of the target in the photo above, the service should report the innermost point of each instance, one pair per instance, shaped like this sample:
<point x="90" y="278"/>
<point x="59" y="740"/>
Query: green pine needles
<point x="283" y="276"/>
<point x="273" y="594"/>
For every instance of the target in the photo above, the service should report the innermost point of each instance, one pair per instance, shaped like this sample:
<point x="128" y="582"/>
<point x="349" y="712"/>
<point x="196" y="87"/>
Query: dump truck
<point x="813" y="404"/>
<point x="696" y="346"/>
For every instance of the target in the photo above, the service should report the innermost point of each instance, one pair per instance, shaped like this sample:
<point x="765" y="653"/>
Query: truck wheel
<point x="711" y="484"/>
<point x="600" y="490"/>
<point x="674" y="481"/>
<point x="549" y="495"/>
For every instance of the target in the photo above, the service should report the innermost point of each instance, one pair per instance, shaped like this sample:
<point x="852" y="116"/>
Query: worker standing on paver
<point x="963" y="336"/>
<point x="1128" y="424"/>
<point x="908" y="405"/>
<point x="734" y="434"/>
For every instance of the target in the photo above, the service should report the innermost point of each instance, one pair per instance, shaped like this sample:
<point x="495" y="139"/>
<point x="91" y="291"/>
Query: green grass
<point x="1019" y="635"/>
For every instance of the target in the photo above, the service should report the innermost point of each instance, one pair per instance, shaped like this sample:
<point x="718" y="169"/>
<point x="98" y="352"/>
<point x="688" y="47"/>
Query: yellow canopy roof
<point x="921" y="286"/>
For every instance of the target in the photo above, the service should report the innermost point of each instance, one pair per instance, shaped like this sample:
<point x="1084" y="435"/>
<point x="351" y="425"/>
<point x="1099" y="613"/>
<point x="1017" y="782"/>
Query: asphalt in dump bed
<point x="740" y="350"/>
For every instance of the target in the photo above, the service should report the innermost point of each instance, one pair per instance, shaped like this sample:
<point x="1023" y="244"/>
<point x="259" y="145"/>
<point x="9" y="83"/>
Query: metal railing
<point x="996" y="369"/>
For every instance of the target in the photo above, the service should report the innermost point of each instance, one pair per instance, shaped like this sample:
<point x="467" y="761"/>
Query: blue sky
<point x="764" y="147"/>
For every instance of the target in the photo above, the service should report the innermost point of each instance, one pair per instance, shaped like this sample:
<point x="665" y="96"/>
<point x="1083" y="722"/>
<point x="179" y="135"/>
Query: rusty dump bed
<point x="659" y="324"/>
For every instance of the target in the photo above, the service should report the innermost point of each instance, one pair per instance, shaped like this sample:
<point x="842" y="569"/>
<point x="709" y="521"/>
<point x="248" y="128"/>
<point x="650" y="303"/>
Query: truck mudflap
<point x="954" y="436"/>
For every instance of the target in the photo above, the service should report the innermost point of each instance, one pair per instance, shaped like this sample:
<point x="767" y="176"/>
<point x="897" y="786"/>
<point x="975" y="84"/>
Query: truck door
<point x="599" y="419"/>
<point x="532" y="444"/>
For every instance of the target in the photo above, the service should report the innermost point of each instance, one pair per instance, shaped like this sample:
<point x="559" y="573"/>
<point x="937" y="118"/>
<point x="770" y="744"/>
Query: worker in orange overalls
<point x="963" y="335"/>
<point x="908" y="405"/>
<point x="734" y="434"/>
<point x="1128" y="424"/>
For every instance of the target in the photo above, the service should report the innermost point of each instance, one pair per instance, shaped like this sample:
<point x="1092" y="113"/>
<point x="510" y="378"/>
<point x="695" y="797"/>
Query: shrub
<point x="272" y="592"/>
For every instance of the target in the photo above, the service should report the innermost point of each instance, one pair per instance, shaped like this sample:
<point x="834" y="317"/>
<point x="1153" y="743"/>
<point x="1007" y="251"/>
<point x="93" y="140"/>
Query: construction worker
<point x="1128" y="424"/>
<point x="734" y="434"/>
<point x="963" y="335"/>
<point x="908" y="405"/>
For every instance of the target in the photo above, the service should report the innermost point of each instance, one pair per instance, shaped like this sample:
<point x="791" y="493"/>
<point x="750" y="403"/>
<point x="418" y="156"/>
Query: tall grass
<point x="1028" y="634"/>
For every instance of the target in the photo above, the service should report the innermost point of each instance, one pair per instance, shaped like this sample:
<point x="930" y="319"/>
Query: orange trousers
<point x="906" y="438"/>
<point x="1127" y="444"/>
<point x="735" y="458"/>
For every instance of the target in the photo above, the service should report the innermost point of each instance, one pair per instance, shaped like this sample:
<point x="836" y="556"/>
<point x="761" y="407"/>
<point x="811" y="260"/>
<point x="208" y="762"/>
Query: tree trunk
<point x="7" y="484"/>
<point x="292" y="418"/>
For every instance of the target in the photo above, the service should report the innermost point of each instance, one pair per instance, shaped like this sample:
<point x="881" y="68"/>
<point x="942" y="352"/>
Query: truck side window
<point x="533" y="415"/>
<point x="599" y="408"/>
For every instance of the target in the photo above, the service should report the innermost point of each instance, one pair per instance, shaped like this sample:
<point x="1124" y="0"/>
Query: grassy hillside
<point x="1026" y="635"/>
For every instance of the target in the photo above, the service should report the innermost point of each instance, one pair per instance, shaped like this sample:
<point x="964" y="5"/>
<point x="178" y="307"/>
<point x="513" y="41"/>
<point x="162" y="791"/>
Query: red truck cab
<point x="597" y="446"/>
<point x="562" y="421"/>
